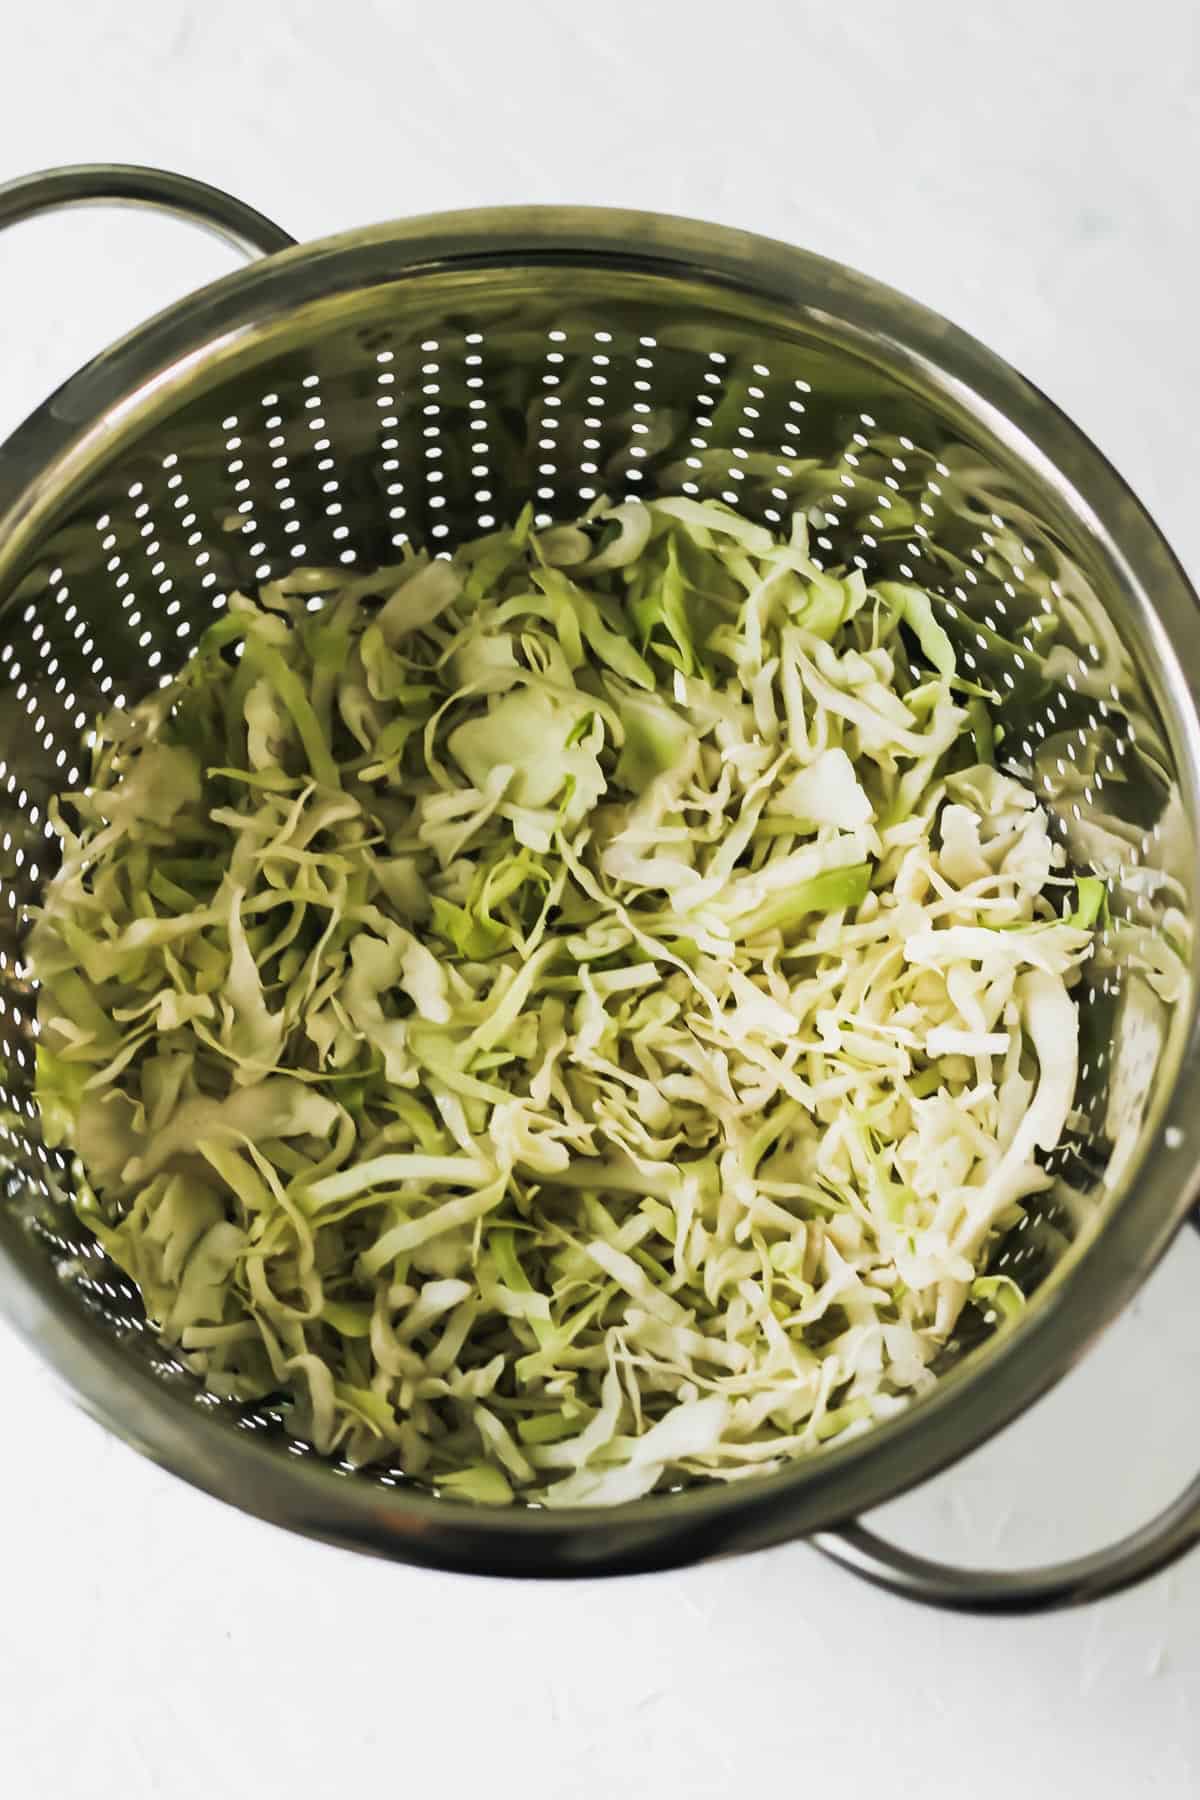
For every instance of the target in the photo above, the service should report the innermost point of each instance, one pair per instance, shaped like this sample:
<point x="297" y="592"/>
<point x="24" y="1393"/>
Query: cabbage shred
<point x="571" y="1017"/>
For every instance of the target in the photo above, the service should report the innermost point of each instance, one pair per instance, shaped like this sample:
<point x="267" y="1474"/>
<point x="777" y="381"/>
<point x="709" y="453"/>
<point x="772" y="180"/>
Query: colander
<point x="423" y="380"/>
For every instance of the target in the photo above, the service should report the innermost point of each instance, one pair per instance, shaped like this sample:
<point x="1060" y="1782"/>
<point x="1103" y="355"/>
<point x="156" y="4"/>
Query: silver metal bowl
<point x="425" y="378"/>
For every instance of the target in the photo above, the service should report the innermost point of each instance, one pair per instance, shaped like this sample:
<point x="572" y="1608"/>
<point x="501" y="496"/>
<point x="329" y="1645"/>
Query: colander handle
<point x="1153" y="1547"/>
<point x="1121" y="1565"/>
<point x="128" y="184"/>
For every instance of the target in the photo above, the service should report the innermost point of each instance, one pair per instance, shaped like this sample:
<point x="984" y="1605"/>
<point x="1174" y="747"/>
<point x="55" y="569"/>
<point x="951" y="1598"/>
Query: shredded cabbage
<point x="569" y="1018"/>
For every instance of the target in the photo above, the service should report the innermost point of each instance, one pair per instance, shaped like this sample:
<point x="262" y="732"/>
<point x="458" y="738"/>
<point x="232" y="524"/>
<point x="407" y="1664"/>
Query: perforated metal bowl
<point x="424" y="379"/>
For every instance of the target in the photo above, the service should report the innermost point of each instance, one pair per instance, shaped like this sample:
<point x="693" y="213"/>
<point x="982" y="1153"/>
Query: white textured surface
<point x="1029" y="170"/>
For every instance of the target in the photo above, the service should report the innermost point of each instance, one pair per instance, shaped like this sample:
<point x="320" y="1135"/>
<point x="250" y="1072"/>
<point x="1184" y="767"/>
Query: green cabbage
<point x="568" y="1017"/>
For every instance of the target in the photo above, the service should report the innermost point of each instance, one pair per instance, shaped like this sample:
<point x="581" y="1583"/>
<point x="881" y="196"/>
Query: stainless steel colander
<point x="422" y="381"/>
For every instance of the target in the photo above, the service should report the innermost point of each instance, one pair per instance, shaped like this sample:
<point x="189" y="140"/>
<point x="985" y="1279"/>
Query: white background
<point x="1028" y="169"/>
